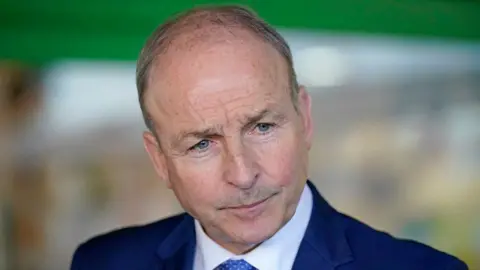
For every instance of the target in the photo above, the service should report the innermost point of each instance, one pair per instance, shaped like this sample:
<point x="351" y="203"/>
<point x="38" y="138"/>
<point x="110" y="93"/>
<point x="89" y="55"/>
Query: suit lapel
<point x="324" y="245"/>
<point x="181" y="260"/>
<point x="177" y="251"/>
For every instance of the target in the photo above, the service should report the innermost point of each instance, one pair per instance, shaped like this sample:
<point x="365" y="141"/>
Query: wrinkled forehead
<point x="211" y="75"/>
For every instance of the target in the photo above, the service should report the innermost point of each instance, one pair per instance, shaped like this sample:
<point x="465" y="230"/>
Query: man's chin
<point x="254" y="234"/>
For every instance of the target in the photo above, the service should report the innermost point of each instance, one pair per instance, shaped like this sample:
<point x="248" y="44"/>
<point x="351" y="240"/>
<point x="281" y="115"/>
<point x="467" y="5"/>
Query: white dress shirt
<point x="276" y="253"/>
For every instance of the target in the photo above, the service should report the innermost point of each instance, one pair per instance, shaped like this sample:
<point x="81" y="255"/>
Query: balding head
<point x="206" y="25"/>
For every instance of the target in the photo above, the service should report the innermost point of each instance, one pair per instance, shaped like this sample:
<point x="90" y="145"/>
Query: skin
<point x="230" y="136"/>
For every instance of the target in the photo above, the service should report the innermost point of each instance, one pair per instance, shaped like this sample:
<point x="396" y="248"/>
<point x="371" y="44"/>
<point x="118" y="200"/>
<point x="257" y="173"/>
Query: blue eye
<point x="264" y="127"/>
<point x="202" y="145"/>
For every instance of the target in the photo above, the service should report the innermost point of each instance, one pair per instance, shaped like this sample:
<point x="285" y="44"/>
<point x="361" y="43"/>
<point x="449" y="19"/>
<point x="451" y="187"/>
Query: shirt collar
<point x="275" y="253"/>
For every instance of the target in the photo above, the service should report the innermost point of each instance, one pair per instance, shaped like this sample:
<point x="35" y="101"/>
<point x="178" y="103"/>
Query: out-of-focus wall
<point x="397" y="145"/>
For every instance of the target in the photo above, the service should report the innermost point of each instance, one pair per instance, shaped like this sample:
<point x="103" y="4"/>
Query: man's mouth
<point x="247" y="206"/>
<point x="250" y="211"/>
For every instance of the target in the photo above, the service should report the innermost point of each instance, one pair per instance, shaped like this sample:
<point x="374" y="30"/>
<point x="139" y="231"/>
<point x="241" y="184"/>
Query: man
<point x="230" y="131"/>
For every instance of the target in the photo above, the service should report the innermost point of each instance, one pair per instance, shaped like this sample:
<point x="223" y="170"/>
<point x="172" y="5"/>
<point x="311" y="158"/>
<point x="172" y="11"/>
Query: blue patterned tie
<point x="235" y="265"/>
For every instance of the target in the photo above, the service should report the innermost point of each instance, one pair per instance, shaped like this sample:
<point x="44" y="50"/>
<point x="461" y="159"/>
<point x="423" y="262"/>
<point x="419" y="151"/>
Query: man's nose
<point x="241" y="167"/>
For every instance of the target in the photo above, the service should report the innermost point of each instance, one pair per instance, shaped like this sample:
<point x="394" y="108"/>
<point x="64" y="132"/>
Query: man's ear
<point x="305" y="109"/>
<point x="157" y="156"/>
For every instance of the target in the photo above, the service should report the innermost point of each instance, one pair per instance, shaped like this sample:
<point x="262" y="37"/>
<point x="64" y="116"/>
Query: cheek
<point x="279" y="160"/>
<point x="193" y="184"/>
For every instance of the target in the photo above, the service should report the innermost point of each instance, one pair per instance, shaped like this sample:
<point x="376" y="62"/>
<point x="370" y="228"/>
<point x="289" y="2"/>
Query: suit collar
<point x="177" y="250"/>
<point x="325" y="243"/>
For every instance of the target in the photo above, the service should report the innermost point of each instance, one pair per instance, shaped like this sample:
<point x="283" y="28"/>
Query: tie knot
<point x="235" y="265"/>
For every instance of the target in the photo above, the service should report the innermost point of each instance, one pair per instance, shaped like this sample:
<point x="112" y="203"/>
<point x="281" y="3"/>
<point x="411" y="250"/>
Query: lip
<point x="250" y="211"/>
<point x="249" y="205"/>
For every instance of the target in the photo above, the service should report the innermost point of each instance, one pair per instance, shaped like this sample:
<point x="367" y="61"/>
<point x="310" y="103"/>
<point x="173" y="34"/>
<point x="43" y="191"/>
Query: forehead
<point x="211" y="78"/>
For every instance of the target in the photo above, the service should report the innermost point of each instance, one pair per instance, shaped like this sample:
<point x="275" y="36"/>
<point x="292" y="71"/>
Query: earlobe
<point x="305" y="103"/>
<point x="157" y="156"/>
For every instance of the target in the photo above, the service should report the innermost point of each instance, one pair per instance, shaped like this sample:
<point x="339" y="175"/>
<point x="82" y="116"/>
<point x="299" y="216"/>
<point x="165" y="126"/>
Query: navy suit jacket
<point x="332" y="241"/>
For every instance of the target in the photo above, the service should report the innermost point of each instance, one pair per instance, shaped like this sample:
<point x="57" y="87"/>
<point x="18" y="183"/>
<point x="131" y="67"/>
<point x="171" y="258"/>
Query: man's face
<point x="232" y="146"/>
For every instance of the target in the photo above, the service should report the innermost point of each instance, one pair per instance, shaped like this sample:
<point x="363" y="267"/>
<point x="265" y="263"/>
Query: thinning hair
<point x="205" y="18"/>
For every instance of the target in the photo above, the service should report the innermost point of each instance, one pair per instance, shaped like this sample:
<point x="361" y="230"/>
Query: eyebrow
<point x="253" y="119"/>
<point x="218" y="130"/>
<point x="202" y="133"/>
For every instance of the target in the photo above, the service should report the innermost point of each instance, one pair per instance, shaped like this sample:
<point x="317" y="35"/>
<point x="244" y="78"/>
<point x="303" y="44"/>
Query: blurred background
<point x="396" y="104"/>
